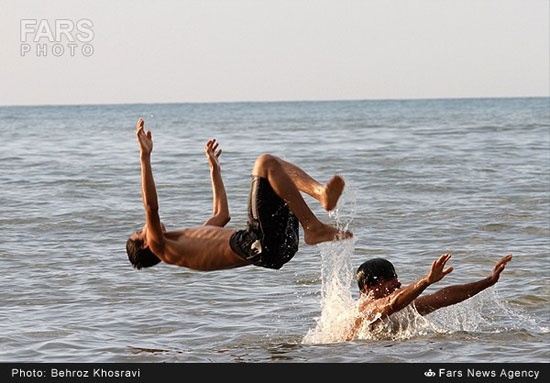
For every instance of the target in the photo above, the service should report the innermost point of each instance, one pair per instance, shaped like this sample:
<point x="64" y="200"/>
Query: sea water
<point x="423" y="177"/>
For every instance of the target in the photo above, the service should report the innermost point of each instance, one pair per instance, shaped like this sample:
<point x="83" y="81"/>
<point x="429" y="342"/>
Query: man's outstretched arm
<point x="220" y="209"/>
<point x="401" y="298"/>
<point x="458" y="293"/>
<point x="155" y="237"/>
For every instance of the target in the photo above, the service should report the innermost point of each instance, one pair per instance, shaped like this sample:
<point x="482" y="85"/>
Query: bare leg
<point x="270" y="167"/>
<point x="327" y="194"/>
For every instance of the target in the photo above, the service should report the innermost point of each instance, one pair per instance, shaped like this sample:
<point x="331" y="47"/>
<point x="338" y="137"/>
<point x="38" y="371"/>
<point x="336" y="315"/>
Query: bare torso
<point x="202" y="248"/>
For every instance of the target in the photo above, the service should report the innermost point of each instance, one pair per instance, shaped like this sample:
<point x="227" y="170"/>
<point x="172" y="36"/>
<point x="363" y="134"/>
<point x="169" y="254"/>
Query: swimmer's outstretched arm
<point x="401" y="298"/>
<point x="458" y="293"/>
<point x="155" y="236"/>
<point x="220" y="209"/>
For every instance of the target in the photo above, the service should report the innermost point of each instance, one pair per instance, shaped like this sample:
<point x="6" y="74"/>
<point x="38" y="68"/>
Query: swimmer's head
<point x="138" y="255"/>
<point x="375" y="273"/>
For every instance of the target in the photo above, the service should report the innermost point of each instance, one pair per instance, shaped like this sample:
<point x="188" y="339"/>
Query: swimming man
<point x="274" y="209"/>
<point x="382" y="295"/>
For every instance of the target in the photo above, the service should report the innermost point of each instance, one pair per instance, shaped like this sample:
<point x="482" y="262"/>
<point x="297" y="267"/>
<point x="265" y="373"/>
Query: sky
<point x="264" y="50"/>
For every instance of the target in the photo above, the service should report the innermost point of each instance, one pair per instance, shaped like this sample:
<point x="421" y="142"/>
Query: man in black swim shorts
<point x="271" y="236"/>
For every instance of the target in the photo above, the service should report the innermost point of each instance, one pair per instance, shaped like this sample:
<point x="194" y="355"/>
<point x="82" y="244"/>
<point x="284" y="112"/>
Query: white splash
<point x="338" y="308"/>
<point x="485" y="312"/>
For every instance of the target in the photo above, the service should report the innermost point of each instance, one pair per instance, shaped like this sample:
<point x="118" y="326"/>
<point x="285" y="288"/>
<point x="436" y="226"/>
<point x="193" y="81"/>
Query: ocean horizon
<point x="282" y="101"/>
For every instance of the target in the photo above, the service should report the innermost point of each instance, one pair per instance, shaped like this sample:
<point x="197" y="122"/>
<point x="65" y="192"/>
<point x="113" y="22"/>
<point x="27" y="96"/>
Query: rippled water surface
<point x="470" y="177"/>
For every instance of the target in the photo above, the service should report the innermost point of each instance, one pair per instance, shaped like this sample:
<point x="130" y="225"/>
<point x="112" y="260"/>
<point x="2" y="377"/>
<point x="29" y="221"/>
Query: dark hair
<point x="138" y="256"/>
<point x="370" y="272"/>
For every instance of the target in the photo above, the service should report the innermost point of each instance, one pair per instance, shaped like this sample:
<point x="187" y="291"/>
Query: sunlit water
<point x="470" y="177"/>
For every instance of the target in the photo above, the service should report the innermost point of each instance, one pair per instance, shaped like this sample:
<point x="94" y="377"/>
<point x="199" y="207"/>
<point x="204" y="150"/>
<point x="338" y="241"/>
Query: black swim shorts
<point x="271" y="237"/>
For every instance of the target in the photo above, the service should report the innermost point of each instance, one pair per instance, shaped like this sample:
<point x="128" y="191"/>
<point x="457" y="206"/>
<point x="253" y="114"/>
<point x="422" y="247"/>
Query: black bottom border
<point x="166" y="372"/>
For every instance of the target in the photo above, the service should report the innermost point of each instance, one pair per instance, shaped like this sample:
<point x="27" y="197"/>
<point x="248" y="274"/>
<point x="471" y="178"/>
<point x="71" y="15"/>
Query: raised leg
<point x="327" y="194"/>
<point x="271" y="168"/>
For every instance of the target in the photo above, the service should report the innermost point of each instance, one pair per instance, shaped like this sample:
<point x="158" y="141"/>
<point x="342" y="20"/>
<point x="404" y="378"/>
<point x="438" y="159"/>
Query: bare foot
<point x="325" y="233"/>
<point x="331" y="193"/>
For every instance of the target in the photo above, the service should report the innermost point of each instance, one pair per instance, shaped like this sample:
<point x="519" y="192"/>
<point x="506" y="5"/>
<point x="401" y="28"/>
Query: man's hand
<point x="499" y="267"/>
<point x="144" y="138"/>
<point x="213" y="155"/>
<point x="436" y="272"/>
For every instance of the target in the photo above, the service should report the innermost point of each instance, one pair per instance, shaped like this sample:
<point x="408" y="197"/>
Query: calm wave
<point x="470" y="177"/>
